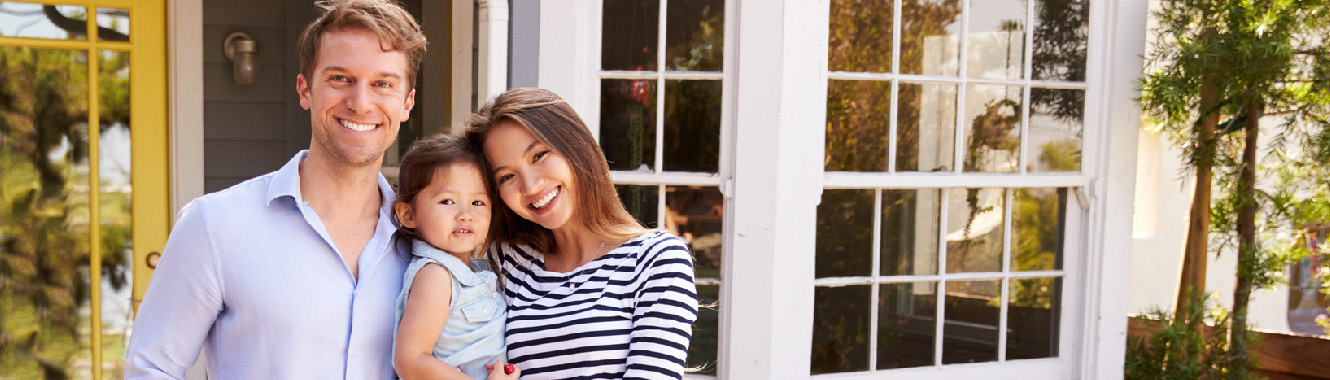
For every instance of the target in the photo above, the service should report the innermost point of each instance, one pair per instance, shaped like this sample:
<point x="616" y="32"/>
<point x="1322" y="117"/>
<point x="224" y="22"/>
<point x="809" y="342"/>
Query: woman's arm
<point x="663" y="314"/>
<point x="422" y="321"/>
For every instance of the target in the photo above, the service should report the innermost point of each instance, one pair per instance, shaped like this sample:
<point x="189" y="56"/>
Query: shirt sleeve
<point x="181" y="304"/>
<point x="663" y="314"/>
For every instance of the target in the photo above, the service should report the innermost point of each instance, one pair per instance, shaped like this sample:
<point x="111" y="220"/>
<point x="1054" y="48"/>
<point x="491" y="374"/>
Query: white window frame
<point x="576" y="26"/>
<point x="772" y="177"/>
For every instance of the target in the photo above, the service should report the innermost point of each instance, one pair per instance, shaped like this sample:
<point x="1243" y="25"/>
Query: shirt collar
<point x="460" y="270"/>
<point x="286" y="182"/>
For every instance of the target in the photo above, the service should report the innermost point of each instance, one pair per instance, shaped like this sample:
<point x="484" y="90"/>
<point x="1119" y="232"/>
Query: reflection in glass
<point x="696" y="215"/>
<point x="114" y="164"/>
<point x="113" y="24"/>
<point x="703" y="348"/>
<point x="845" y="233"/>
<point x="694" y="35"/>
<point x="1057" y="123"/>
<point x="906" y="327"/>
<point x="860" y="36"/>
<point x="971" y="332"/>
<point x="840" y="328"/>
<point x="1038" y="225"/>
<point x="641" y="201"/>
<point x="44" y="231"/>
<point x="58" y="22"/>
<point x="692" y="125"/>
<point x="925" y="127"/>
<point x="992" y="128"/>
<point x="629" y="32"/>
<point x="1061" y="30"/>
<point x="628" y="123"/>
<point x="930" y="42"/>
<point x="909" y="232"/>
<point x="857" y="117"/>
<point x="1032" y="318"/>
<point x="974" y="230"/>
<point x="996" y="38"/>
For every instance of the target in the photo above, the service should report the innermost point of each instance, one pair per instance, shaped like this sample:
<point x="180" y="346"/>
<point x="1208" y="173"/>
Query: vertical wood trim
<point x="780" y="118"/>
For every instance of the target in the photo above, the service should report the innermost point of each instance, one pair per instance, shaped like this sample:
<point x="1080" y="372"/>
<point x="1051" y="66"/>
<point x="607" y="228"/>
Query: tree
<point x="1220" y="67"/>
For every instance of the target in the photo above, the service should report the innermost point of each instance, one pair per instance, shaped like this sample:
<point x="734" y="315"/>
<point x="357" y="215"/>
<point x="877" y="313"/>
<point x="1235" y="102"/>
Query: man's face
<point x="357" y="98"/>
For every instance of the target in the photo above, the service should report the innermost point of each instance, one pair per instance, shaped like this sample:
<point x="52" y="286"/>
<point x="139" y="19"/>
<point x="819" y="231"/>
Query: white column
<point x="492" y="62"/>
<point x="780" y="119"/>
<point x="1117" y="43"/>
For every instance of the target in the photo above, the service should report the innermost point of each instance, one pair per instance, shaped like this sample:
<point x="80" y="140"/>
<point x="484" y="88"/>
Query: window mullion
<point x="1006" y="279"/>
<point x="660" y="87"/>
<point x="941" y="297"/>
<point x="876" y="275"/>
<point x="958" y="154"/>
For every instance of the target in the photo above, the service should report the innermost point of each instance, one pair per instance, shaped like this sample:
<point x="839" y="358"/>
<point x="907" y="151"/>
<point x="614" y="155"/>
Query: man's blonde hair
<point x="396" y="29"/>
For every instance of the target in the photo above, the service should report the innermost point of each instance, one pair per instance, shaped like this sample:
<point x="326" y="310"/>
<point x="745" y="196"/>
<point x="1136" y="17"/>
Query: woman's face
<point x="533" y="180"/>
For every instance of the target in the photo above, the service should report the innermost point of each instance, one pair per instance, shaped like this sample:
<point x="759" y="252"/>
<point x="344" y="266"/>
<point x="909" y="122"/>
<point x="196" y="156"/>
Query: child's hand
<point x="503" y="371"/>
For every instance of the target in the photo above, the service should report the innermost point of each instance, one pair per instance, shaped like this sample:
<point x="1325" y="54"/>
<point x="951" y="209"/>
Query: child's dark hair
<point x="423" y="160"/>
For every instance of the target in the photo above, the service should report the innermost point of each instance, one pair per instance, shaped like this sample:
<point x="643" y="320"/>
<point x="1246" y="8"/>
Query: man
<point x="293" y="274"/>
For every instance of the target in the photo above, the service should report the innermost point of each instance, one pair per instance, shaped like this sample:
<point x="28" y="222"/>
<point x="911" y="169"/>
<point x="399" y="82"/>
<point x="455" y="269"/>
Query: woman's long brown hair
<point x="552" y="121"/>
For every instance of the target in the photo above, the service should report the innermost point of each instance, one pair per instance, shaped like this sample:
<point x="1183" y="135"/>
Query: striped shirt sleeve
<point x="664" y="310"/>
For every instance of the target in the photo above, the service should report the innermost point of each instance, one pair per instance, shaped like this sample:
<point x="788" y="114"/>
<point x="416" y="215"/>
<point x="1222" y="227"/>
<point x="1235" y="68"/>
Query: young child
<point x="450" y="315"/>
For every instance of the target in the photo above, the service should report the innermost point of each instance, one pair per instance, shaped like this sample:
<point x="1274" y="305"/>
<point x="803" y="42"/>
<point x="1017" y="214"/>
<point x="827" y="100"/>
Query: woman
<point x="590" y="291"/>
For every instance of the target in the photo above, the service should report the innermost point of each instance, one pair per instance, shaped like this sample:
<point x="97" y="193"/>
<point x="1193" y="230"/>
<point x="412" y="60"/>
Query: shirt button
<point x="494" y="295"/>
<point x="355" y="352"/>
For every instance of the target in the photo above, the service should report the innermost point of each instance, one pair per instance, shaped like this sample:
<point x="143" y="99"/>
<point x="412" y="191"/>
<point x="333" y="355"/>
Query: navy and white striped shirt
<point x="625" y="315"/>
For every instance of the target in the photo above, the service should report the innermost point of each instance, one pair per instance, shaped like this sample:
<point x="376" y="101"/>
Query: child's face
<point x="453" y="212"/>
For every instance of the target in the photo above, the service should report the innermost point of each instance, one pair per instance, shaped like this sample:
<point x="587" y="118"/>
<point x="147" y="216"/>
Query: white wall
<point x="1163" y="200"/>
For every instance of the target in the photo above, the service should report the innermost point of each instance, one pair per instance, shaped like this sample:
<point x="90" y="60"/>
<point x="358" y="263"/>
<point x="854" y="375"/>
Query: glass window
<point x="662" y="103"/>
<point x="57" y="22"/>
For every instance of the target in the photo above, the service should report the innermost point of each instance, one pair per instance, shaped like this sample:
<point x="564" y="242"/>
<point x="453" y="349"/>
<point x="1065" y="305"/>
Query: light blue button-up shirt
<point x="251" y="274"/>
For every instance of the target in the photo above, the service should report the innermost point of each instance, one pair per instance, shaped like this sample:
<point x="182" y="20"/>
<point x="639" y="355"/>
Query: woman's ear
<point x="405" y="215"/>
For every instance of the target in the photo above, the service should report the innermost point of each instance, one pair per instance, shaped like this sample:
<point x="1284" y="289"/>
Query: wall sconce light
<point x="243" y="52"/>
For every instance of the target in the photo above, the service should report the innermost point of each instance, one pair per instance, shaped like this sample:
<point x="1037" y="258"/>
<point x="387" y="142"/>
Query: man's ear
<point x="302" y="88"/>
<point x="405" y="215"/>
<point x="408" y="105"/>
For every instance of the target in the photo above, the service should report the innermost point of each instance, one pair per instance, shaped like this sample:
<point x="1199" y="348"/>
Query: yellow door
<point x="83" y="180"/>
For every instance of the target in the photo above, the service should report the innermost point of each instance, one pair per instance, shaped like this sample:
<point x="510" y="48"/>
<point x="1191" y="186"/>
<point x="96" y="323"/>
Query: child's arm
<point x="422" y="321"/>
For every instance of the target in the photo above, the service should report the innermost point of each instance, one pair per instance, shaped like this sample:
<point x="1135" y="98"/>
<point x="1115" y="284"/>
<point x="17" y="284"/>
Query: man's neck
<point x="338" y="191"/>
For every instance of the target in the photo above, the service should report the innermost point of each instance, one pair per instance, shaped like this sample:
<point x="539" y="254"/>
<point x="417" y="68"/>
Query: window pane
<point x="840" y="328"/>
<point x="628" y="123"/>
<point x="860" y="36"/>
<point x="641" y="201"/>
<point x="926" y="127"/>
<point x="692" y="125"/>
<point x="930" y="42"/>
<point x="703" y="348"/>
<point x="697" y="215"/>
<point x="907" y="325"/>
<point x="113" y="24"/>
<point x="116" y="195"/>
<point x="58" y="22"/>
<point x="1038" y="226"/>
<point x="629" y="32"/>
<point x="910" y="232"/>
<point x="857" y="117"/>
<point x="695" y="34"/>
<point x="45" y="302"/>
<point x="997" y="39"/>
<point x="992" y="128"/>
<point x="1057" y="123"/>
<point x="974" y="230"/>
<point x="1061" y="29"/>
<point x="971" y="331"/>
<point x="1032" y="318"/>
<point x="845" y="233"/>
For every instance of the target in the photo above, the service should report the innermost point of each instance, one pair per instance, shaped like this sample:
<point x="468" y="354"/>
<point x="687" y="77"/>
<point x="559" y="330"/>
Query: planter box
<point x="1280" y="356"/>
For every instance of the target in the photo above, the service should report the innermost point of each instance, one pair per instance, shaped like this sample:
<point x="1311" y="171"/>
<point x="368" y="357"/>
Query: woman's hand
<point x="503" y="371"/>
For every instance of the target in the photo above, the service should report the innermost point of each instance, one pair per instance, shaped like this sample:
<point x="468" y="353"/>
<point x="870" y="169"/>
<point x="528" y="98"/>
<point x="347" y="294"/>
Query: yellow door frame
<point x="148" y="135"/>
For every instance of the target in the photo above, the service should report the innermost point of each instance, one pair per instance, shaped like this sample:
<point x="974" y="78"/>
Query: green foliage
<point x="1186" y="347"/>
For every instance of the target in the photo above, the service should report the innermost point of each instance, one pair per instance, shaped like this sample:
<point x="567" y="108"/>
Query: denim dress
<point x="473" y="334"/>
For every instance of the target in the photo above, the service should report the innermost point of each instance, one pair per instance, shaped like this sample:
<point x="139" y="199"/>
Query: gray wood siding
<point x="250" y="130"/>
